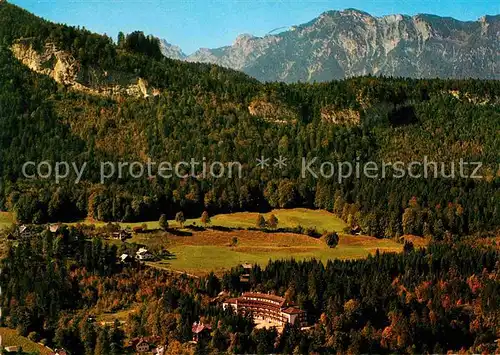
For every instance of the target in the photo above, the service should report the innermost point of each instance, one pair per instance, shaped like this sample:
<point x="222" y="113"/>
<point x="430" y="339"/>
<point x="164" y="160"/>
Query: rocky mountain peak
<point x="351" y="42"/>
<point x="171" y="51"/>
<point x="243" y="39"/>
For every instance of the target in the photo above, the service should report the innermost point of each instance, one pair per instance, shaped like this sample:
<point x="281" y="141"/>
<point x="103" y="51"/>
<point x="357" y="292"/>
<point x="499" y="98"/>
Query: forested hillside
<point x="434" y="300"/>
<point x="200" y="110"/>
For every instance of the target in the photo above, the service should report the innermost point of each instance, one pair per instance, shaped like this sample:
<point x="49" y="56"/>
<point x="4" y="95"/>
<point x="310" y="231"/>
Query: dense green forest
<point x="222" y="115"/>
<point x="442" y="298"/>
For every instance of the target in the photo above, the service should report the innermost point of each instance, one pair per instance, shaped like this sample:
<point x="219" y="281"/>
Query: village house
<point x="200" y="331"/>
<point x="142" y="346"/>
<point x="267" y="307"/>
<point x="125" y="258"/>
<point x="247" y="268"/>
<point x="25" y="231"/>
<point x="121" y="235"/>
<point x="59" y="352"/>
<point x="53" y="228"/>
<point x="144" y="254"/>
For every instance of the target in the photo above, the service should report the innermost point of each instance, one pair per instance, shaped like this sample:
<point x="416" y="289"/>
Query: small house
<point x="142" y="346"/>
<point x="121" y="235"/>
<point x="125" y="258"/>
<point x="138" y="230"/>
<point x="294" y="315"/>
<point x="144" y="254"/>
<point x="200" y="331"/>
<point x="53" y="228"/>
<point x="247" y="268"/>
<point x="59" y="352"/>
<point x="25" y="231"/>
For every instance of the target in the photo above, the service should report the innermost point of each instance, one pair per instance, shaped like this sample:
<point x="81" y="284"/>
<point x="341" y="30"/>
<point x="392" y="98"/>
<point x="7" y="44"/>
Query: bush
<point x="331" y="239"/>
<point x="312" y="232"/>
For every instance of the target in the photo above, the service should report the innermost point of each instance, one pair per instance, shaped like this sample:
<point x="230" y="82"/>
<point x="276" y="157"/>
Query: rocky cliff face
<point x="66" y="70"/>
<point x="340" y="44"/>
<point x="61" y="66"/>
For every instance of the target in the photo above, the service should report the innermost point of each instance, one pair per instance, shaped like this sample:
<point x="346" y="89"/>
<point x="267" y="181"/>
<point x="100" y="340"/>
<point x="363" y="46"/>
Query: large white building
<point x="269" y="307"/>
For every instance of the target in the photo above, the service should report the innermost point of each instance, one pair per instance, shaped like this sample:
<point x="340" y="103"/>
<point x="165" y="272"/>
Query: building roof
<point x="59" y="352"/>
<point x="269" y="297"/>
<point x="231" y="300"/>
<point x="292" y="310"/>
<point x="149" y="340"/>
<point x="54" y="228"/>
<point x="199" y="327"/>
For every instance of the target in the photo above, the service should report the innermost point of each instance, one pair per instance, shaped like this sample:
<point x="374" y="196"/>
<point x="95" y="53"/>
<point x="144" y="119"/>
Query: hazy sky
<point x="192" y="24"/>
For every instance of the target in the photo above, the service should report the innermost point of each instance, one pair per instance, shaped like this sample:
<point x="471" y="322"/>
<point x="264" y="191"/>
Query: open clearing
<point x="10" y="338"/>
<point x="211" y="250"/>
<point x="199" y="252"/>
<point x="319" y="219"/>
<point x="121" y="316"/>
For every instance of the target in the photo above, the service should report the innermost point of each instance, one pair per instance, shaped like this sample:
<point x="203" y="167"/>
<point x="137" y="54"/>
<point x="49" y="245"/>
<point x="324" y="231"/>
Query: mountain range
<point x="341" y="44"/>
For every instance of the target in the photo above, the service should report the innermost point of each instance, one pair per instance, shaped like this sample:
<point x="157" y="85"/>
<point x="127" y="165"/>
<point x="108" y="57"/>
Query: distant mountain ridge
<point x="171" y="51"/>
<point x="340" y="44"/>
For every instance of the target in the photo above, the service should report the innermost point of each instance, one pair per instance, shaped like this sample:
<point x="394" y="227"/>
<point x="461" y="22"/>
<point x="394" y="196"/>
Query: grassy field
<point x="121" y="316"/>
<point x="10" y="338"/>
<point x="6" y="220"/>
<point x="319" y="219"/>
<point x="199" y="252"/>
<point x="204" y="251"/>
<point x="210" y="250"/>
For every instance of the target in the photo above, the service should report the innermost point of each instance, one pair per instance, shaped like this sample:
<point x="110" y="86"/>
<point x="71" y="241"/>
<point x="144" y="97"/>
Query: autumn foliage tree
<point x="260" y="221"/>
<point x="273" y="221"/>
<point x="205" y="218"/>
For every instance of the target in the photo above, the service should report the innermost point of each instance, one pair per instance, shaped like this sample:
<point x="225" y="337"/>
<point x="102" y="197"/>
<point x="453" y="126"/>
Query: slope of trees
<point x="436" y="300"/>
<point x="439" y="299"/>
